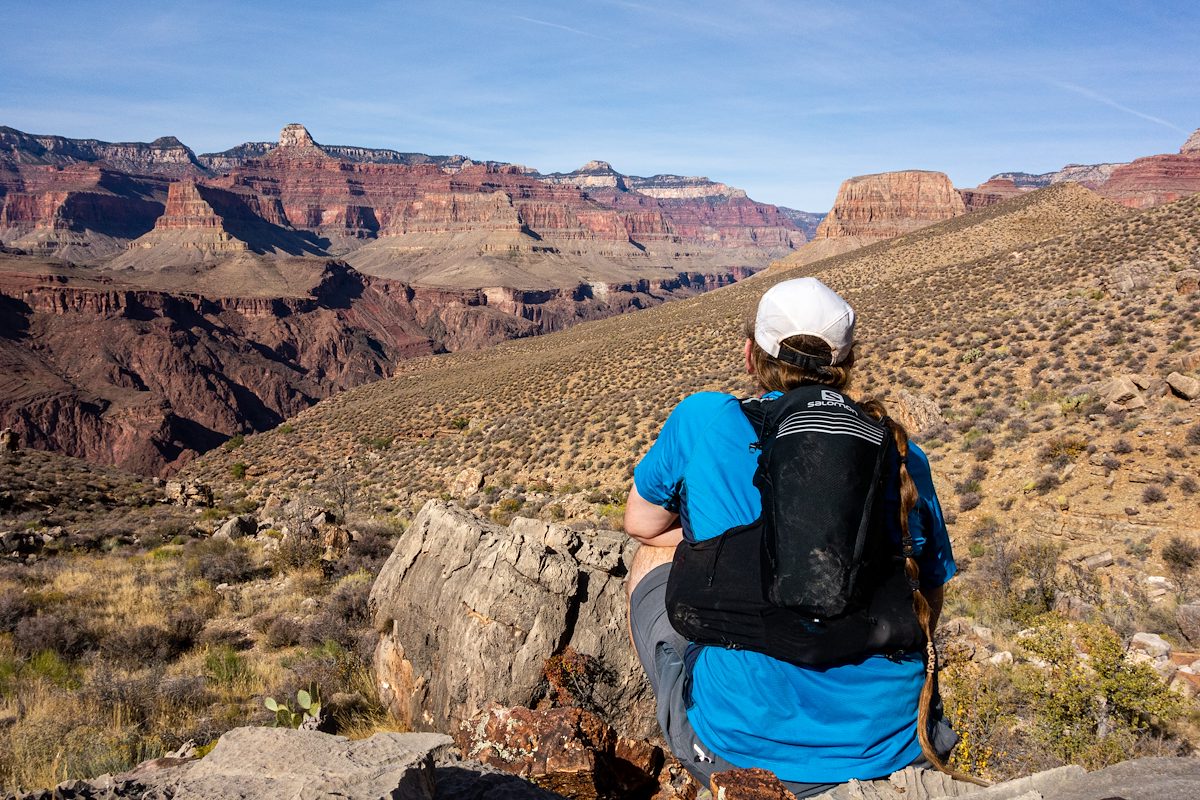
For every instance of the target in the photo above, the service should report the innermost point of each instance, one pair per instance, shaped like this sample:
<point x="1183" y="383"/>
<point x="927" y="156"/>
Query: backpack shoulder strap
<point x="755" y="409"/>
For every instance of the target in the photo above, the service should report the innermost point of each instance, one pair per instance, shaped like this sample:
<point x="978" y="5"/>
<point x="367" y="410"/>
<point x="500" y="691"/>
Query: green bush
<point x="1089" y="710"/>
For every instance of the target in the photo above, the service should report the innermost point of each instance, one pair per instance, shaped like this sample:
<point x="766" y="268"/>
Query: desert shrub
<point x="328" y="667"/>
<point x="1153" y="494"/>
<point x="1192" y="436"/>
<point x="301" y="548"/>
<point x="283" y="631"/>
<point x="1122" y="447"/>
<point x="1045" y="482"/>
<point x="153" y="644"/>
<point x="348" y="602"/>
<point x="366" y="554"/>
<point x="1180" y="557"/>
<point x="14" y="606"/>
<point x="184" y="691"/>
<point x="237" y="470"/>
<point x="60" y="633"/>
<point x="1011" y="583"/>
<point x="983" y="449"/>
<point x="981" y="704"/>
<point x="507" y="508"/>
<point x="1063" y="449"/>
<point x="969" y="500"/>
<point x="219" y="561"/>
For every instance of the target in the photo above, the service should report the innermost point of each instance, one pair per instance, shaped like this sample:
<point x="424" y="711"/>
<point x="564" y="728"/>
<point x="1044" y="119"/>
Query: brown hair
<point x="921" y="606"/>
<point x="775" y="375"/>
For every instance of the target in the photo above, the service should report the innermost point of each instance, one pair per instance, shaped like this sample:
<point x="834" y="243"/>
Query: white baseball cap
<point x="804" y="307"/>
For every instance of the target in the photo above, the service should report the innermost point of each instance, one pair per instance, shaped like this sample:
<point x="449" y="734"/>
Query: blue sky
<point x="784" y="99"/>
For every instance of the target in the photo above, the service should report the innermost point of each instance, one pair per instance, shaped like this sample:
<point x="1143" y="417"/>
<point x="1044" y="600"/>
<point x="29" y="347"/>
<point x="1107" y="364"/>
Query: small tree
<point x="1180" y="557"/>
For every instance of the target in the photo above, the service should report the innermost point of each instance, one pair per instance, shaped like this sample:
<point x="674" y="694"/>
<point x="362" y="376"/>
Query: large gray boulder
<point x="468" y="612"/>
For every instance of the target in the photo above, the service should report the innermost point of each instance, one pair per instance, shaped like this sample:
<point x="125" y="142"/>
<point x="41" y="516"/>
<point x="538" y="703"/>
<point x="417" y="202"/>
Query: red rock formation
<point x="81" y="211"/>
<point x="338" y="199"/>
<point x="990" y="192"/>
<point x="1146" y="182"/>
<point x="156" y="377"/>
<point x="573" y="752"/>
<point x="891" y="204"/>
<point x="1155" y="180"/>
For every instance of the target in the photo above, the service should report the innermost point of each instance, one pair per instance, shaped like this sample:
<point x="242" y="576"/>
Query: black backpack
<point x="816" y="580"/>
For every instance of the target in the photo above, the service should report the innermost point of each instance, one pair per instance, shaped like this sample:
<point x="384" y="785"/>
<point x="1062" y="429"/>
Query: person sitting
<point x="726" y="707"/>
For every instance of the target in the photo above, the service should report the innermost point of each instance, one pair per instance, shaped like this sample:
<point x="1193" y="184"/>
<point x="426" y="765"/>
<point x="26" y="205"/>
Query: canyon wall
<point x="890" y="204"/>
<point x="147" y="379"/>
<point x="298" y="196"/>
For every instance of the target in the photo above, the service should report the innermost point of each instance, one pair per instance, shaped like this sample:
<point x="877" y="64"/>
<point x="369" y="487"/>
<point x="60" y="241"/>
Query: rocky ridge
<point x="1142" y="183"/>
<point x="417" y="207"/>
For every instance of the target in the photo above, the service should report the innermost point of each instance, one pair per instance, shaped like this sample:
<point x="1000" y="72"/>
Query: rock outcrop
<point x="572" y="752"/>
<point x="164" y="156"/>
<point x="469" y="612"/>
<point x="269" y="763"/>
<point x="1154" y="180"/>
<point x="1142" y="183"/>
<point x="1091" y="176"/>
<point x="890" y="204"/>
<point x="990" y="192"/>
<point x="1192" y="145"/>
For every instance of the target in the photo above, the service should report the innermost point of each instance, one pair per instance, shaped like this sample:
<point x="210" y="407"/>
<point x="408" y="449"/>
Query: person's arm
<point x="651" y="525"/>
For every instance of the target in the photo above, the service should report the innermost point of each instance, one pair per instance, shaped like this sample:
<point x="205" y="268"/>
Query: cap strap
<point x="803" y="360"/>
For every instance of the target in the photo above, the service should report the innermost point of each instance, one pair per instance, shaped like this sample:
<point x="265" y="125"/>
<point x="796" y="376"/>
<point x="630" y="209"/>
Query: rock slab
<point x="469" y="612"/>
<point x="285" y="763"/>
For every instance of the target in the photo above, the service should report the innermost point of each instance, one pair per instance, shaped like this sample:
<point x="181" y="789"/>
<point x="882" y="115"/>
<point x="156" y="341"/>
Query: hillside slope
<point x="1011" y="320"/>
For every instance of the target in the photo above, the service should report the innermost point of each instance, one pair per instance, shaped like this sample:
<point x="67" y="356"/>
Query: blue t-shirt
<point x="806" y="725"/>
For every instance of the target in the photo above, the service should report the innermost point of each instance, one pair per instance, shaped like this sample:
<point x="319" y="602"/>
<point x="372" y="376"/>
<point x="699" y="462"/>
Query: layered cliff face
<point x="204" y="224"/>
<point x="146" y="376"/>
<point x="1090" y="176"/>
<point x="1156" y="180"/>
<point x="428" y="219"/>
<point x="198" y="311"/>
<point x="80" y="211"/>
<point x="165" y="156"/>
<point x="990" y="192"/>
<point x="1142" y="183"/>
<point x="1192" y="145"/>
<point x="890" y="204"/>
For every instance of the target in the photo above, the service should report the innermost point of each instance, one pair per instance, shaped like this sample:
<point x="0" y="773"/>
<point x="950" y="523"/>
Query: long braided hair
<point x="773" y="374"/>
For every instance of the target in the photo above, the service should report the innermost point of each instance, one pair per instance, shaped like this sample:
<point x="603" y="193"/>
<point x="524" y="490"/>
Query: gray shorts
<point x="661" y="651"/>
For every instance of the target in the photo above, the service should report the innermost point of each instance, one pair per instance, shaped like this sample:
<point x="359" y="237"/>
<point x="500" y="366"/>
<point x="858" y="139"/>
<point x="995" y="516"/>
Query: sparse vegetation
<point x="554" y="428"/>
